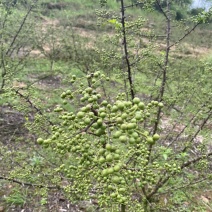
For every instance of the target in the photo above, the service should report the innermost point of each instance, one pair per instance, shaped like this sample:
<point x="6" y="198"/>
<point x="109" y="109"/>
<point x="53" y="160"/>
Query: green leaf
<point x="115" y="23"/>
<point x="165" y="156"/>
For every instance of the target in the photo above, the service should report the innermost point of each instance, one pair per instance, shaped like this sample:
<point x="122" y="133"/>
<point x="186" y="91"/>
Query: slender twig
<point x="125" y="49"/>
<point x="4" y="72"/>
<point x="185" y="35"/>
<point x="161" y="9"/>
<point x="28" y="184"/>
<point x="185" y="127"/>
<point x="188" y="163"/>
<point x="10" y="49"/>
<point x="162" y="181"/>
<point x="199" y="129"/>
<point x="164" y="68"/>
<point x="166" y="61"/>
<point x="8" y="52"/>
<point x="159" y="184"/>
<point x="183" y="186"/>
<point x="141" y="4"/>
<point x="27" y="100"/>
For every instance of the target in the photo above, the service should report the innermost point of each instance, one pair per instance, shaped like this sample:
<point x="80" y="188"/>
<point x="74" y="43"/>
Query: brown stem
<point x="10" y="48"/>
<point x="4" y="72"/>
<point x="28" y="184"/>
<point x="188" y="163"/>
<point x="183" y="186"/>
<point x="166" y="61"/>
<point x="164" y="68"/>
<point x="8" y="53"/>
<point x="199" y="129"/>
<point x="125" y="48"/>
<point x="123" y="208"/>
<point x="162" y="181"/>
<point x="185" y="35"/>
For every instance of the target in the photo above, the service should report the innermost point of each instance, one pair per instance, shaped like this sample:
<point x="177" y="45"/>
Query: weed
<point x="16" y="197"/>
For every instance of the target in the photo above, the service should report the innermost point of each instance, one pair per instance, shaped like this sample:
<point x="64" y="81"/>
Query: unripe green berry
<point x="136" y="100"/>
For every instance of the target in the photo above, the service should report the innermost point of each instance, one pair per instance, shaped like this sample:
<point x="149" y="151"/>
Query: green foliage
<point x="16" y="198"/>
<point x="196" y="11"/>
<point x="203" y="17"/>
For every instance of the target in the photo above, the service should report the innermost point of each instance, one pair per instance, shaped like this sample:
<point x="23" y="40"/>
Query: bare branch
<point x="184" y="36"/>
<point x="28" y="184"/>
<point x="125" y="48"/>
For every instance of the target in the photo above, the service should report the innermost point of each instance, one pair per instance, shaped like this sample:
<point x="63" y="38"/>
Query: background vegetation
<point x="105" y="112"/>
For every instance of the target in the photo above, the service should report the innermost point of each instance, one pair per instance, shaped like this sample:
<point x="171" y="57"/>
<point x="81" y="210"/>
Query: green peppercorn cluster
<point x="107" y="145"/>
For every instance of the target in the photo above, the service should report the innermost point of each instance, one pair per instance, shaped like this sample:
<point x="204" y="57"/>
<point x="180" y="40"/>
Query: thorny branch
<point x="166" y="61"/>
<point x="125" y="48"/>
<point x="10" y="48"/>
<point x="28" y="184"/>
<point x="163" y="180"/>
